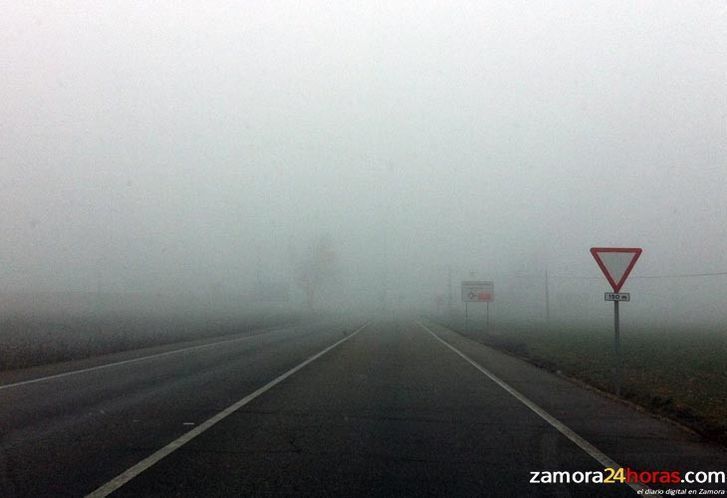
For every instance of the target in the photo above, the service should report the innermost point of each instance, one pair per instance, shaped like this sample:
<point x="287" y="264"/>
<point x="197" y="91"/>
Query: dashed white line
<point x="594" y="452"/>
<point x="155" y="457"/>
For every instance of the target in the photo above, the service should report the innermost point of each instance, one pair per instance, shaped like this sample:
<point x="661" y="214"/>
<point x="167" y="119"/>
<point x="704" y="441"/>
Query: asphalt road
<point x="336" y="408"/>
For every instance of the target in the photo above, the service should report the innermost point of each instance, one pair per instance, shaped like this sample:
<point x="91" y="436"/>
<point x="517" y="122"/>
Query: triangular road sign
<point x="616" y="263"/>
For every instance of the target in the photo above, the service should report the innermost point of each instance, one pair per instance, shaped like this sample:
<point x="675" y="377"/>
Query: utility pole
<point x="449" y="288"/>
<point x="547" y="297"/>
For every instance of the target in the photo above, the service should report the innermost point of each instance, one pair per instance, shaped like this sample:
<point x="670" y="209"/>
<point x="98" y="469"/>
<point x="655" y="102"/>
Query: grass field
<point x="27" y="341"/>
<point x="677" y="372"/>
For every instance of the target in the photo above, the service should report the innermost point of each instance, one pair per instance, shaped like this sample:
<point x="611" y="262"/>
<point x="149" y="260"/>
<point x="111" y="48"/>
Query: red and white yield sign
<point x="616" y="263"/>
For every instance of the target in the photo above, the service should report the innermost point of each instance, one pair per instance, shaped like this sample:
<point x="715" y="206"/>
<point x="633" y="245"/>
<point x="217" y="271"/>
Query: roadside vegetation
<point x="676" y="372"/>
<point x="30" y="340"/>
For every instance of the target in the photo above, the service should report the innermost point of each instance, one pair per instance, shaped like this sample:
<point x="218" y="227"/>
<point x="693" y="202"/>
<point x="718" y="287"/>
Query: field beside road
<point x="676" y="372"/>
<point x="29" y="340"/>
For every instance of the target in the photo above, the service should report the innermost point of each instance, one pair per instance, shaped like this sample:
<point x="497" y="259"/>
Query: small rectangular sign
<point x="478" y="292"/>
<point x="615" y="296"/>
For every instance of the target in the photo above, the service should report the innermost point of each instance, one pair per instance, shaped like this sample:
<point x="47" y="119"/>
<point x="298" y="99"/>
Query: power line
<point x="579" y="277"/>
<point x="683" y="275"/>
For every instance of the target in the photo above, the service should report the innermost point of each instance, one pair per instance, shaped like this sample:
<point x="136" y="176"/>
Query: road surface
<point x="341" y="407"/>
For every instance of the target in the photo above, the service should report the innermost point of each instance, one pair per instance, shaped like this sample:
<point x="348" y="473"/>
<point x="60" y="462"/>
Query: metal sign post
<point x="616" y="264"/>
<point x="617" y="298"/>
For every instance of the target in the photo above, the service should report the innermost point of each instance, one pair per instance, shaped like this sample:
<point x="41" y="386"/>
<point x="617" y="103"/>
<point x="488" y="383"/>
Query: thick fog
<point x="370" y="149"/>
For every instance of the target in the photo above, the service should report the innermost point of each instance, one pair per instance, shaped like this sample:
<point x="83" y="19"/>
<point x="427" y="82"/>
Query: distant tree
<point x="315" y="268"/>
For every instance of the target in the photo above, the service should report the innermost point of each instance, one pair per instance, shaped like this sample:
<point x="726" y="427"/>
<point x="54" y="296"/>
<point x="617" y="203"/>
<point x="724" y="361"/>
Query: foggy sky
<point x="161" y="146"/>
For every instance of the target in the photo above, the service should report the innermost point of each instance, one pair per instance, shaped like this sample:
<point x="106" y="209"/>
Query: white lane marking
<point x="158" y="455"/>
<point x="557" y="424"/>
<point x="132" y="360"/>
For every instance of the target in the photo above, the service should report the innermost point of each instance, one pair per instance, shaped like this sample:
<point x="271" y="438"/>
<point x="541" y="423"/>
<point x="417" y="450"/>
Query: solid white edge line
<point x="125" y="362"/>
<point x="158" y="455"/>
<point x="592" y="451"/>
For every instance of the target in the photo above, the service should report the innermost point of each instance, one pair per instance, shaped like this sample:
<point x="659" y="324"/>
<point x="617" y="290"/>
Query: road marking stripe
<point x="125" y="362"/>
<point x="155" y="457"/>
<point x="557" y="424"/>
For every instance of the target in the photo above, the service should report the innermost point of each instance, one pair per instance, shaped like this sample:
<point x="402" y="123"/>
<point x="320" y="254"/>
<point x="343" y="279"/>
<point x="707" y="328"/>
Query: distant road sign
<point x="614" y="296"/>
<point x="478" y="292"/>
<point x="616" y="263"/>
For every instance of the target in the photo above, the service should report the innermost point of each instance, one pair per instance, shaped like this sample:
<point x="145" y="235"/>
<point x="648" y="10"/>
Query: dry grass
<point x="27" y="341"/>
<point x="677" y="372"/>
